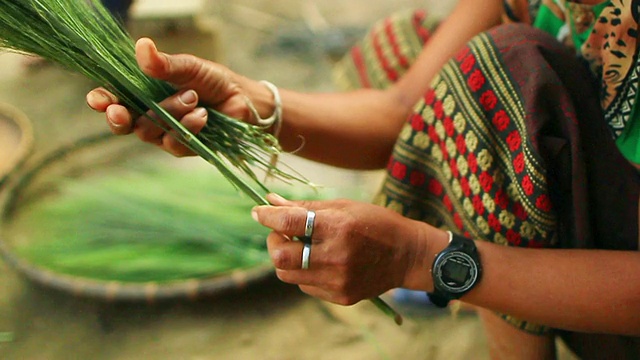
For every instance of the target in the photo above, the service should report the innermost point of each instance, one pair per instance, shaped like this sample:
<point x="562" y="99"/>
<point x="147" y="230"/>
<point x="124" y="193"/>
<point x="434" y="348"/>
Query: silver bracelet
<point x="275" y="120"/>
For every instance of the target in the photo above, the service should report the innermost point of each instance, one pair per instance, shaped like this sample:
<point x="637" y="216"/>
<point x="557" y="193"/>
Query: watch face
<point x="455" y="272"/>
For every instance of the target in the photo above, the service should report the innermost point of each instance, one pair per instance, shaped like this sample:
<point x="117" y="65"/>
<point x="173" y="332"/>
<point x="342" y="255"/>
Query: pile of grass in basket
<point x="142" y="226"/>
<point x="83" y="37"/>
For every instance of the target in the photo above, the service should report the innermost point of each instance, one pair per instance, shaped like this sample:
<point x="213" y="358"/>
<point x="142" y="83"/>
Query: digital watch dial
<point x="456" y="272"/>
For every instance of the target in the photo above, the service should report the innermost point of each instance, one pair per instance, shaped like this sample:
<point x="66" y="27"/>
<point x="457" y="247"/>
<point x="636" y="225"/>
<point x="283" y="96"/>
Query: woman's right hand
<point x="199" y="83"/>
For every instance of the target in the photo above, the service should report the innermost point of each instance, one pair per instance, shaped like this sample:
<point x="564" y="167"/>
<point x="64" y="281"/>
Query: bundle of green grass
<point x="142" y="226"/>
<point x="83" y="37"/>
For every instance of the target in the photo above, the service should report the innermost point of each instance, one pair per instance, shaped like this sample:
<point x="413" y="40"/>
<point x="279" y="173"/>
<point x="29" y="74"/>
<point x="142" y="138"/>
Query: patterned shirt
<point x="606" y="36"/>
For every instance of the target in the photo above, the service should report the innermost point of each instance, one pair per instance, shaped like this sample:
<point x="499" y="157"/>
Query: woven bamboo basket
<point x="16" y="140"/>
<point x="88" y="155"/>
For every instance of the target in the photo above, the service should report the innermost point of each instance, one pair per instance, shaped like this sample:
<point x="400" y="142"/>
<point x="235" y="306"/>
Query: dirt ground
<point x="264" y="40"/>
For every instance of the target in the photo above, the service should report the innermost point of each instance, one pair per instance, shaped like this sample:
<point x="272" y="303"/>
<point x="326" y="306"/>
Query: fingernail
<point x="201" y="112"/>
<point x="105" y="97"/>
<point x="254" y="215"/>
<point x="98" y="97"/>
<point x="111" y="122"/>
<point x="189" y="97"/>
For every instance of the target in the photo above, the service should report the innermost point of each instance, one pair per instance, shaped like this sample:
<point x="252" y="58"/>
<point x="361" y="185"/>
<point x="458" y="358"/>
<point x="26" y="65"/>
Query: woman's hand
<point x="199" y="82"/>
<point x="358" y="250"/>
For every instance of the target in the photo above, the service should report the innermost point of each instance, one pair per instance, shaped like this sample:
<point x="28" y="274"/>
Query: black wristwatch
<point x="456" y="270"/>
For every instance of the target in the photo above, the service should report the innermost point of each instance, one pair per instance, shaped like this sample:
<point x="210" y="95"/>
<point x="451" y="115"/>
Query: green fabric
<point x="548" y="21"/>
<point x="579" y="39"/>
<point x="629" y="141"/>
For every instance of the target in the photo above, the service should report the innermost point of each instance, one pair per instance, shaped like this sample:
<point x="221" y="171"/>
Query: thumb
<point x="175" y="69"/>
<point x="277" y="200"/>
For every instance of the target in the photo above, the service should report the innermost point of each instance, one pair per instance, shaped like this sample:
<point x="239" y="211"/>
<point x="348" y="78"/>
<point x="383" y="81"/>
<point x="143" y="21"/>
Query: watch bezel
<point x="442" y="259"/>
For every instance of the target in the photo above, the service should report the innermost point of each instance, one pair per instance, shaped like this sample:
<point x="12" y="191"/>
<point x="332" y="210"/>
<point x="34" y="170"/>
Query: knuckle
<point x="281" y="259"/>
<point x="288" y="222"/>
<point x="307" y="204"/>
<point x="174" y="105"/>
<point x="342" y="220"/>
<point x="340" y="260"/>
<point x="146" y="134"/>
<point x="349" y="223"/>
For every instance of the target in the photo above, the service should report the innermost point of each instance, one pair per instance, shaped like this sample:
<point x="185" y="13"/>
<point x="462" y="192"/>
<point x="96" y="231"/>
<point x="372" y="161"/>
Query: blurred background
<point x="294" y="44"/>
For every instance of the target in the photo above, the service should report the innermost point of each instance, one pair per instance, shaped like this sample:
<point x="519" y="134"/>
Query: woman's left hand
<point x="358" y="251"/>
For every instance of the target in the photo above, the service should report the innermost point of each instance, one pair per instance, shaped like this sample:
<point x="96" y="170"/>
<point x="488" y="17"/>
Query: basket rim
<point x="113" y="291"/>
<point x="25" y="146"/>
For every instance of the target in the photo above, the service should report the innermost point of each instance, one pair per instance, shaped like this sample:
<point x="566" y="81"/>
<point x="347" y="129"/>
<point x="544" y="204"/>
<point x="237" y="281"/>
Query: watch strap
<point x="438" y="300"/>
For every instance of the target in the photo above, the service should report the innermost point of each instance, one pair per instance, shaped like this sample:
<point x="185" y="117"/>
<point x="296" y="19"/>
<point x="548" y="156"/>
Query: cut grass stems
<point x="82" y="36"/>
<point x="141" y="226"/>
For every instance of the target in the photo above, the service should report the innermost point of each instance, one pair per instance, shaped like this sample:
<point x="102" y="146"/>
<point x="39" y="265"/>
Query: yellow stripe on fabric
<point x="345" y="75"/>
<point x="377" y="74"/>
<point x="441" y="216"/>
<point x="387" y="50"/>
<point x="487" y="60"/>
<point x="509" y="95"/>
<point x="531" y="162"/>
<point x="404" y="151"/>
<point x="526" y="326"/>
<point x="406" y="35"/>
<point x="435" y="207"/>
<point x="406" y="32"/>
<point x="502" y="82"/>
<point x="480" y="126"/>
<point x="411" y="43"/>
<point x="509" y="98"/>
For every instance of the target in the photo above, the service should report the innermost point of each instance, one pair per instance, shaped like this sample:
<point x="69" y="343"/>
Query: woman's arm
<point x="579" y="290"/>
<point x="358" y="129"/>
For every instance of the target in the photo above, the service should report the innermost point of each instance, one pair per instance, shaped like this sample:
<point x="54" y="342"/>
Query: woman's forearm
<point x="355" y="130"/>
<point x="580" y="290"/>
<point x="468" y="18"/>
<point x="358" y="129"/>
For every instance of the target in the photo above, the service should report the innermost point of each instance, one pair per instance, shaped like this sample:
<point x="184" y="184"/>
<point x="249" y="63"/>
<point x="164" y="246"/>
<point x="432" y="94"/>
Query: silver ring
<point x="308" y="226"/>
<point x="306" y="254"/>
